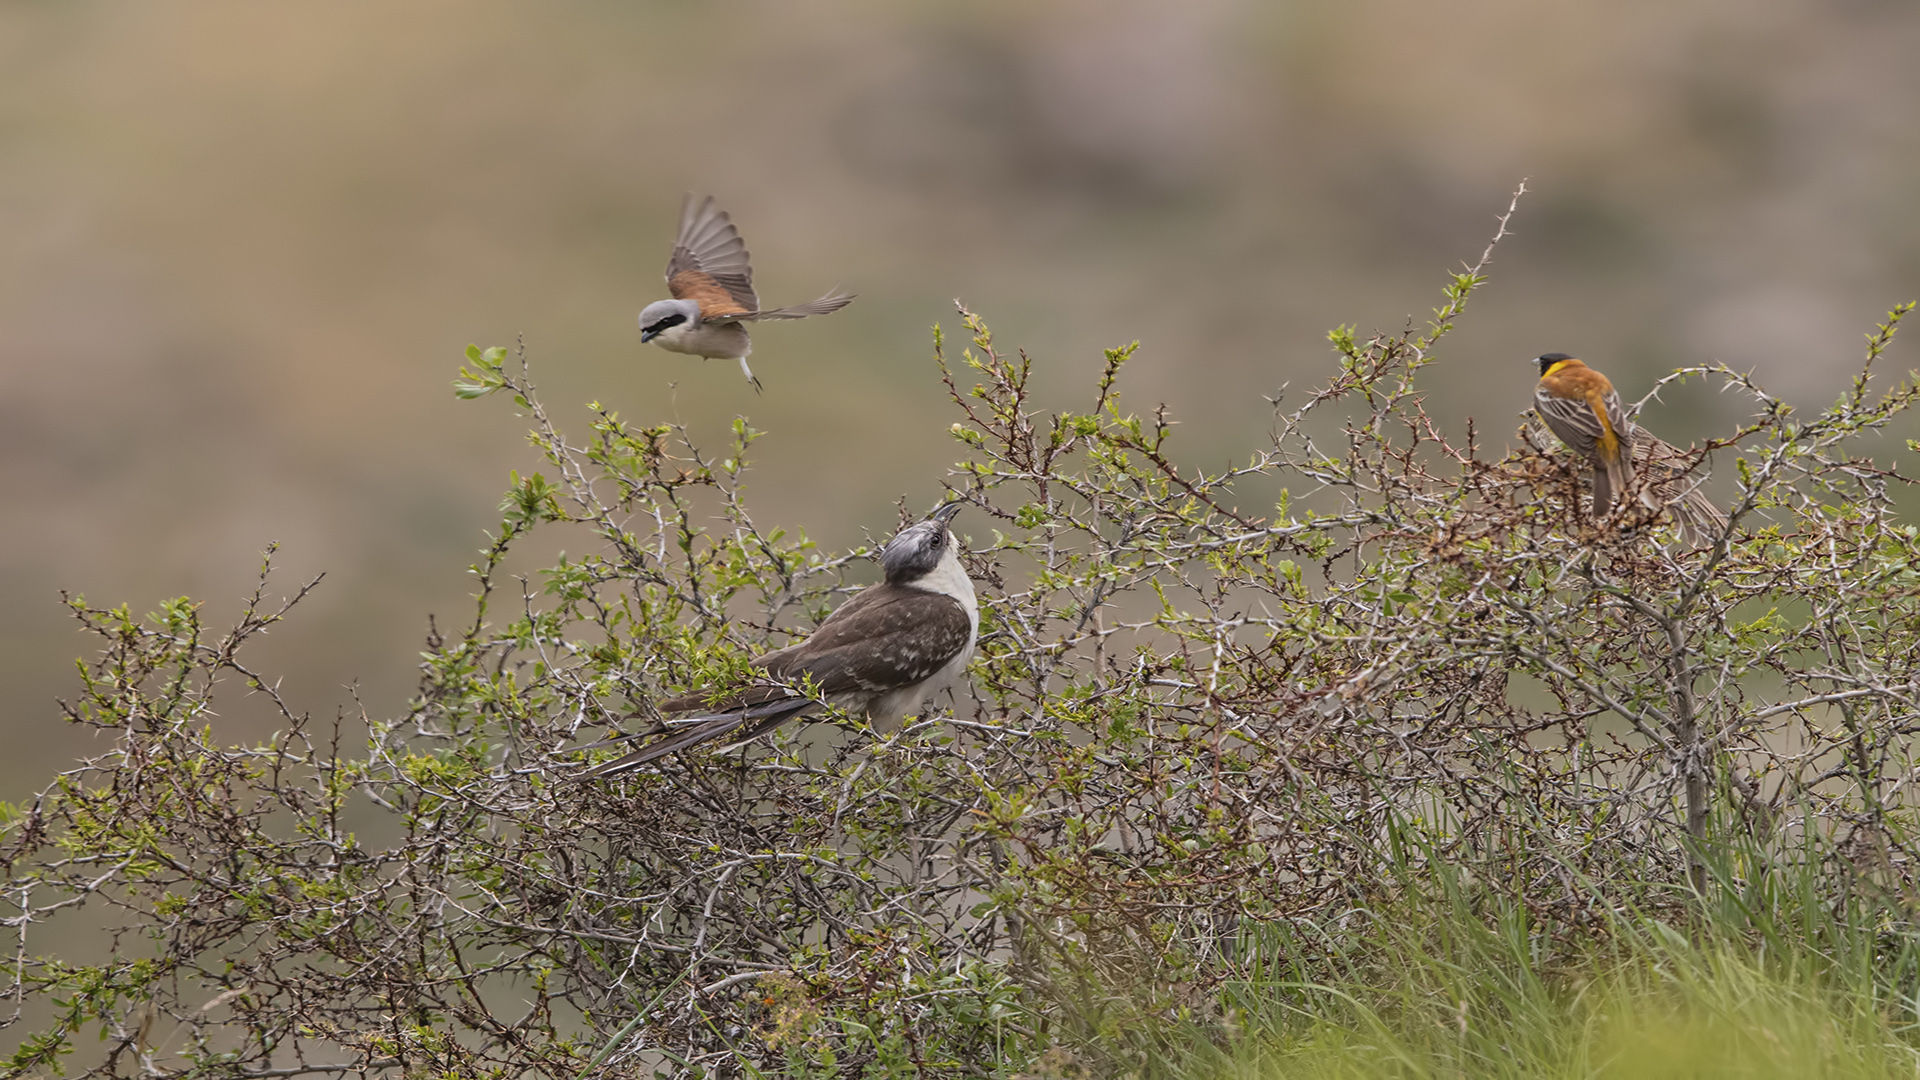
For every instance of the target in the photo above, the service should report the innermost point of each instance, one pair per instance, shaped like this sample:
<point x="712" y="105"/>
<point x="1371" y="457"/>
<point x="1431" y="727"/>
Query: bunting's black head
<point x="919" y="549"/>
<point x="1547" y="360"/>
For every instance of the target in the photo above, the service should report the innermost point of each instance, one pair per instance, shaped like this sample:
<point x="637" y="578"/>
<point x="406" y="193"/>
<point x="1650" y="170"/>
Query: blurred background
<point x="246" y="244"/>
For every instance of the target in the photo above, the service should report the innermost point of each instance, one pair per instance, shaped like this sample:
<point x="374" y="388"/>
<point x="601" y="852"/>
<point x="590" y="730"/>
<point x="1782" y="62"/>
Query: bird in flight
<point x="884" y="653"/>
<point x="713" y="298"/>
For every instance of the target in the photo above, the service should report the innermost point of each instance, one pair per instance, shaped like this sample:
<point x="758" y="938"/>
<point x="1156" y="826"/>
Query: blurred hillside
<point x="245" y="246"/>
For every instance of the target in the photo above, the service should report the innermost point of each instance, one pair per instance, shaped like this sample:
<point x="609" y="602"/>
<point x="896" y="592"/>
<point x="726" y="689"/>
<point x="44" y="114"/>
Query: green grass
<point x="1772" y="979"/>
<point x="1673" y="1011"/>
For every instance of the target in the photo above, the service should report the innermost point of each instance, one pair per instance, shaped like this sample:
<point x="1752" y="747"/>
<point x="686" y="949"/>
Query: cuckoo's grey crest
<point x="713" y="298"/>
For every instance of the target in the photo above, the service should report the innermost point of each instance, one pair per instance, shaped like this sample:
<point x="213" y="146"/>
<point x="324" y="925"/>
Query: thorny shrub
<point x="1188" y="717"/>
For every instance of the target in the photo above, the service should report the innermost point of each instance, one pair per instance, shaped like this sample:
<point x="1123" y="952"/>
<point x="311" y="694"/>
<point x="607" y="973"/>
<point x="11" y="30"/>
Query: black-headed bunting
<point x="1579" y="405"/>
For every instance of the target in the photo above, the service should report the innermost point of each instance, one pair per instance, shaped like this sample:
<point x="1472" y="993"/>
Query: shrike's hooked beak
<point x="945" y="513"/>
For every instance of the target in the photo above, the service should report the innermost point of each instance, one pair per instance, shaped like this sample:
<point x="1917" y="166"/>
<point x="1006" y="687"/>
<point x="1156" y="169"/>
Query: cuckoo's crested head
<point x="920" y="548"/>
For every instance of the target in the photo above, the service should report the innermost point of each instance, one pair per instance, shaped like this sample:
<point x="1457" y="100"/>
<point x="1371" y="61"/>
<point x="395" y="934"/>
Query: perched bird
<point x="885" y="653"/>
<point x="1671" y="477"/>
<point x="712" y="286"/>
<point x="1578" y="404"/>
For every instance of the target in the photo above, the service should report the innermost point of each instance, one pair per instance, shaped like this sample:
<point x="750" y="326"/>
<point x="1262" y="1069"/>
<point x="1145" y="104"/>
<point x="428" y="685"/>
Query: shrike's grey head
<point x="666" y="316"/>
<point x="920" y="548"/>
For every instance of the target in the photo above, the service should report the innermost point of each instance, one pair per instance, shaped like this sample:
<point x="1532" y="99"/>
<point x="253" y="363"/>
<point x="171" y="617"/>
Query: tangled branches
<point x="1189" y="715"/>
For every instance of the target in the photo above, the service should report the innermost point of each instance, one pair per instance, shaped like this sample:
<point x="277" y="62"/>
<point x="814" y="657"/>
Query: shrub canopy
<point x="1204" y="702"/>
